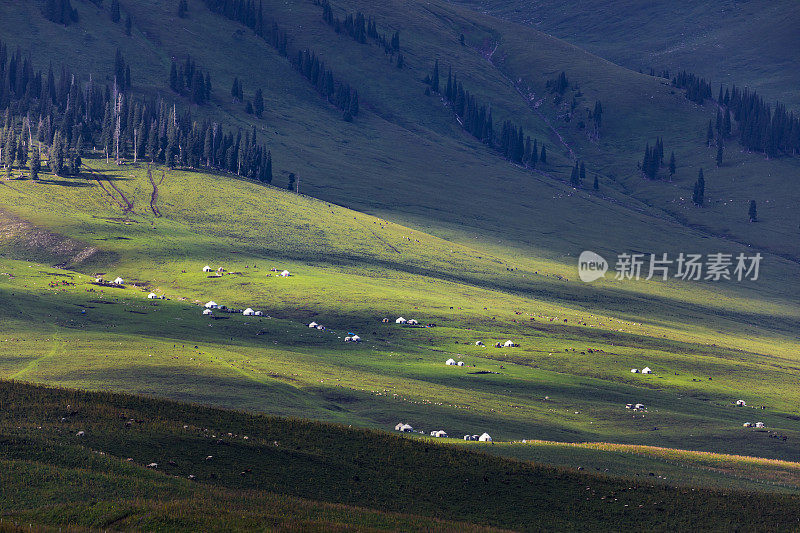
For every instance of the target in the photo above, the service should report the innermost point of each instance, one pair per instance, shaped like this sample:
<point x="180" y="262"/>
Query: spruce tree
<point x="543" y="157"/>
<point x="258" y="103"/>
<point x="36" y="163"/>
<point x="671" y="165"/>
<point x="435" y="77"/>
<point x="183" y="8"/>
<point x="709" y="133"/>
<point x="719" y="152"/>
<point x="596" y="183"/>
<point x="698" y="196"/>
<point x="583" y="172"/>
<point x="268" y="170"/>
<point x="753" y="212"/>
<point x="292" y="178"/>
<point x="115" y="15"/>
<point x="128" y="25"/>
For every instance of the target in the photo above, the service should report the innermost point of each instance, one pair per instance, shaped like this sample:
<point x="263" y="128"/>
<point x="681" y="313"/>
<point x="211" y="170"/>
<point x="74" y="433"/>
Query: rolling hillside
<point x="169" y="466"/>
<point x="399" y="210"/>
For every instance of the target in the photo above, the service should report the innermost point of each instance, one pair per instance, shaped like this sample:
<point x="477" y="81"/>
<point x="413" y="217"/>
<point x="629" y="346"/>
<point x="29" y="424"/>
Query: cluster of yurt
<point x="403" y="427"/>
<point x="452" y="362"/>
<point x="354" y="338"/>
<point x="635" y="406"/>
<point x="645" y="370"/>
<point x="482" y="438"/>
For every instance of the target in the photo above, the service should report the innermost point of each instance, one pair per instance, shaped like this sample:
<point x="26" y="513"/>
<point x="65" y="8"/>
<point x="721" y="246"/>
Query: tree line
<point x="360" y="27"/>
<point x="334" y="90"/>
<point x="696" y="89"/>
<point x="476" y="119"/>
<point x="61" y="119"/>
<point x="188" y="80"/>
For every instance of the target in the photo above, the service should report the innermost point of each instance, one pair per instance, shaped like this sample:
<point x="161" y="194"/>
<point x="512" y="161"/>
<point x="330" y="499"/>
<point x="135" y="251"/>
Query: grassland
<point x="251" y="471"/>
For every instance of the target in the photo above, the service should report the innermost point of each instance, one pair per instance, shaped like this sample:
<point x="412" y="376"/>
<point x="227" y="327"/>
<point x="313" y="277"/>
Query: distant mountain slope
<point x="750" y="43"/>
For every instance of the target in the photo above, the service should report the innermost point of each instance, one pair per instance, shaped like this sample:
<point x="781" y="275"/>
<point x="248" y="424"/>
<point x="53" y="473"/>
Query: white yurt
<point x="759" y="424"/>
<point x="508" y="344"/>
<point x="207" y="268"/>
<point x="639" y="406"/>
<point x="208" y="312"/>
<point x="153" y="296"/>
<point x="646" y="370"/>
<point x="747" y="425"/>
<point x="400" y="320"/>
<point x="259" y="313"/>
<point x="460" y="363"/>
<point x="634" y="370"/>
<point x="98" y="280"/>
<point x="320" y="327"/>
<point x="450" y="362"/>
<point x="313" y="325"/>
<point x="211" y="305"/>
<point x="119" y="281"/>
<point x="355" y="338"/>
<point x="248" y="312"/>
<point x="741" y="403"/>
<point x="285" y="274"/>
<point x="413" y="322"/>
<point x="485" y="438"/>
<point x="348" y="339"/>
<point x="479" y="343"/>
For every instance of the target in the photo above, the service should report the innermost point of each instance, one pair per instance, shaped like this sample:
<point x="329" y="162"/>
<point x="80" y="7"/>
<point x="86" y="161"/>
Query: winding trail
<point x="154" y="194"/>
<point x="123" y="202"/>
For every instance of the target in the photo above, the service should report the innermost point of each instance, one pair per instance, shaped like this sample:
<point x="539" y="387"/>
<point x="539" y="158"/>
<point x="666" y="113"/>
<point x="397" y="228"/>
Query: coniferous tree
<point x="752" y="211"/>
<point x="115" y="14"/>
<point x="543" y="157"/>
<point x="582" y="176"/>
<point x="268" y="169"/>
<point x="719" y="152"/>
<point x="183" y="8"/>
<point x="698" y="196"/>
<point x="671" y="165"/>
<point x="574" y="179"/>
<point x="128" y="25"/>
<point x="248" y="108"/>
<point x="36" y="163"/>
<point x="258" y="103"/>
<point x="596" y="183"/>
<point x="292" y="178"/>
<point x="435" y="77"/>
<point x="709" y="133"/>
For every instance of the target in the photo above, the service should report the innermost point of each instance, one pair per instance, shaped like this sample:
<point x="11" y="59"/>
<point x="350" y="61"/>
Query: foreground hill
<point x="75" y="459"/>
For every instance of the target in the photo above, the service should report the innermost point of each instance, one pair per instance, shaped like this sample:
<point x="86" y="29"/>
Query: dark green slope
<point x="247" y="470"/>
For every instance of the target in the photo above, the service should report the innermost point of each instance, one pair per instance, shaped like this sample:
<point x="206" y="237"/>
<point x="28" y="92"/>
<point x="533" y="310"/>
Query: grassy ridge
<point x="311" y="460"/>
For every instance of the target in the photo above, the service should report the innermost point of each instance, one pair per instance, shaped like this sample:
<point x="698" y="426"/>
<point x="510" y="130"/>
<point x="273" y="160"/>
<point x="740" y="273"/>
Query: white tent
<point x="348" y="339"/>
<point x="248" y="312"/>
<point x="259" y="313"/>
<point x="479" y="343"/>
<point x="401" y="320"/>
<point x="740" y="403"/>
<point x="485" y="438"/>
<point x="98" y="280"/>
<point x="119" y="281"/>
<point x="759" y="424"/>
<point x="747" y="425"/>
<point x="208" y="312"/>
<point x="450" y="362"/>
<point x="399" y="426"/>
<point x="508" y="344"/>
<point x="285" y="274"/>
<point x="412" y="322"/>
<point x="646" y="370"/>
<point x="405" y="428"/>
<point x="639" y="406"/>
<point x="467" y="437"/>
<point x="320" y="327"/>
<point x="461" y="363"/>
<point x="439" y="434"/>
<point x="634" y="370"/>
<point x="313" y="325"/>
<point x="207" y="268"/>
<point x="355" y="338"/>
<point x="211" y="305"/>
<point x="153" y="296"/>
